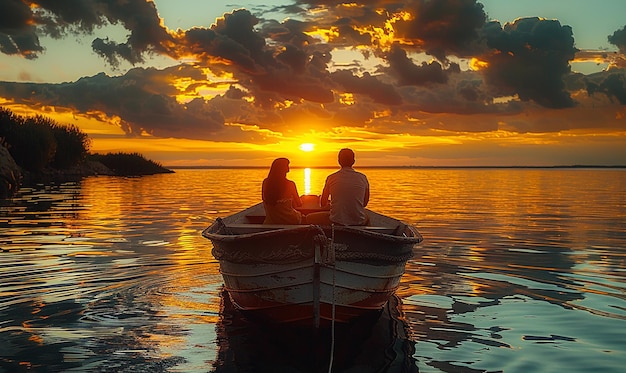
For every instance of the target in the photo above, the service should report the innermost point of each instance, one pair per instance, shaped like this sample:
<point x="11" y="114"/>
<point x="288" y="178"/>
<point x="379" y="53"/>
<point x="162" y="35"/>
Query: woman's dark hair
<point x="276" y="180"/>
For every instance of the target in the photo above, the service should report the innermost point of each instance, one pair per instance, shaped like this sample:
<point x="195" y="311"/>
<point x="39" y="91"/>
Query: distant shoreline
<point x="404" y="167"/>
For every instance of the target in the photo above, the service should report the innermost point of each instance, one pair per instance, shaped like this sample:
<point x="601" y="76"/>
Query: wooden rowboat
<point x="310" y="274"/>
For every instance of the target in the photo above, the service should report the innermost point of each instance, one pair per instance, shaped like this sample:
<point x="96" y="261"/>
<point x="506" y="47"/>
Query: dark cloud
<point x="297" y="71"/>
<point x="470" y="92"/>
<point x="23" y="21"/>
<point x="408" y="73"/>
<point x="142" y="98"/>
<point x="56" y="18"/>
<point x="530" y="58"/>
<point x="18" y="34"/>
<point x="440" y="28"/>
<point x="369" y="86"/>
<point x="280" y="71"/>
<point x="236" y="32"/>
<point x="612" y="84"/>
<point x="209" y="46"/>
<point x="146" y="32"/>
<point x="462" y="98"/>
<point x="619" y="39"/>
<point x="443" y="27"/>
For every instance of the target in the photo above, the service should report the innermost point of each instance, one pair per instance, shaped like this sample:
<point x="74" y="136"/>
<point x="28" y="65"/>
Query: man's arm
<point x="366" y="198"/>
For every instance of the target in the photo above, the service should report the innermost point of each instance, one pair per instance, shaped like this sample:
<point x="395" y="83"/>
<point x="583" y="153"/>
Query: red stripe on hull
<point x="305" y="313"/>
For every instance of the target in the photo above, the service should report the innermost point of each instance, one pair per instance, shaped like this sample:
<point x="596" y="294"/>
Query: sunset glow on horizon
<point x="507" y="84"/>
<point x="307" y="147"/>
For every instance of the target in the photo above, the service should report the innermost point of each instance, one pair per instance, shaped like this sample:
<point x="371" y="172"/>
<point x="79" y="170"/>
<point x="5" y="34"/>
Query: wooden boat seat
<point x="255" y="228"/>
<point x="258" y="218"/>
<point x="255" y="219"/>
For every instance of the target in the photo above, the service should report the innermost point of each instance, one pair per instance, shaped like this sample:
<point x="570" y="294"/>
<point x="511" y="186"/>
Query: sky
<point x="403" y="83"/>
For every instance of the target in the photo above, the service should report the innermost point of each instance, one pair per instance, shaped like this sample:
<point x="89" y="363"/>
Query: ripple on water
<point x="520" y="270"/>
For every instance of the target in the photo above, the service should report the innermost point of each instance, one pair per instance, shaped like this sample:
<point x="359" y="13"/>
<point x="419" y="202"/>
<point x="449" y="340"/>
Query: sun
<point x="307" y="147"/>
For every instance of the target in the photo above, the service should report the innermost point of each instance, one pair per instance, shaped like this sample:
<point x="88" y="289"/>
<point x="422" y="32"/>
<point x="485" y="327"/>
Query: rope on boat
<point x="332" y="319"/>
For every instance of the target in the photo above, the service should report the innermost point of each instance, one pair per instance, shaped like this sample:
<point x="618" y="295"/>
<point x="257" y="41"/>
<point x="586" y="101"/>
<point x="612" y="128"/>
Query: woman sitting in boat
<point x="280" y="196"/>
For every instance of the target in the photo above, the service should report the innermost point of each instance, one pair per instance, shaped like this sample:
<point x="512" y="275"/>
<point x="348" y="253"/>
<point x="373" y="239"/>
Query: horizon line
<point x="411" y="166"/>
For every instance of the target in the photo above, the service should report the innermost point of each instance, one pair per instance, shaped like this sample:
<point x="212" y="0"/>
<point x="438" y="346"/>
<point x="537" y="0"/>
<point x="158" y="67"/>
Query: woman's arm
<point x="263" y="190"/>
<point x="295" y="197"/>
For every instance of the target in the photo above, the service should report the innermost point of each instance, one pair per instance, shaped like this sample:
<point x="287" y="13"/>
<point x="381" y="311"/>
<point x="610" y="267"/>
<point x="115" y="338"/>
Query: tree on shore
<point x="39" y="142"/>
<point x="72" y="145"/>
<point x="128" y="164"/>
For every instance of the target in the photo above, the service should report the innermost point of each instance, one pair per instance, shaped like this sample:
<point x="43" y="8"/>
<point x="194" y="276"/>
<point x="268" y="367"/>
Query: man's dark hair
<point x="346" y="157"/>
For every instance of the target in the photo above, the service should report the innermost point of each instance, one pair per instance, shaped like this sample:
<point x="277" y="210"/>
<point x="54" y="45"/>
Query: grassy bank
<point x="45" y="150"/>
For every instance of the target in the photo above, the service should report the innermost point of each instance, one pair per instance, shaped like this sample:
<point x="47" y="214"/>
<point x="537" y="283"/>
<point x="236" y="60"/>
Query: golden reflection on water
<point x="510" y="257"/>
<point x="307" y="181"/>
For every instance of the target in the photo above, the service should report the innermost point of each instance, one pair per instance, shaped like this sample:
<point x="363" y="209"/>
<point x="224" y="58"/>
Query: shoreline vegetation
<point x="39" y="150"/>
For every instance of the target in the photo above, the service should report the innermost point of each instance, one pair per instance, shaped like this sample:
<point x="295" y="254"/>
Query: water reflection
<point x="376" y="344"/>
<point x="94" y="278"/>
<point x="520" y="270"/>
<point x="307" y="181"/>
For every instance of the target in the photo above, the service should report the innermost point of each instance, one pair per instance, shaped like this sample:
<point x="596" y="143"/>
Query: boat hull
<point x="305" y="292"/>
<point x="308" y="274"/>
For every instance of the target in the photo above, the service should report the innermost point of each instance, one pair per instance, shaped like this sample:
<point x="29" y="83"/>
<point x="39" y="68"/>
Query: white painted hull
<point x="309" y="274"/>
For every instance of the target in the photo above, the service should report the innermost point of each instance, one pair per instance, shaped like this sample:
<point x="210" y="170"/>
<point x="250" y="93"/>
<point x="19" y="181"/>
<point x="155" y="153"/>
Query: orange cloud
<point x="260" y="85"/>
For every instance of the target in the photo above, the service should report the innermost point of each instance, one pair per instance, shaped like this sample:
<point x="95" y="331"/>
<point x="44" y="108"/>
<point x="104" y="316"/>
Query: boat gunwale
<point x="277" y="230"/>
<point x="240" y="218"/>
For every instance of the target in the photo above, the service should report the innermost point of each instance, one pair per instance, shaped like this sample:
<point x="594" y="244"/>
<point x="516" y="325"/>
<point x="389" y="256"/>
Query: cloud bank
<point x="245" y="77"/>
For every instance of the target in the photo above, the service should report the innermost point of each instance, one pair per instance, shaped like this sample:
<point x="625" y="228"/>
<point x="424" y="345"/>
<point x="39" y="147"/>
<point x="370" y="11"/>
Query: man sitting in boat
<point x="280" y="196"/>
<point x="349" y="193"/>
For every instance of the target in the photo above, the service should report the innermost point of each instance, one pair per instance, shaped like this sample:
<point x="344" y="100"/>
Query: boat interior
<point x="251" y="219"/>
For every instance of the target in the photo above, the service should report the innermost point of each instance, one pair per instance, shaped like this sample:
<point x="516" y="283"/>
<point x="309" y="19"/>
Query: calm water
<point x="521" y="270"/>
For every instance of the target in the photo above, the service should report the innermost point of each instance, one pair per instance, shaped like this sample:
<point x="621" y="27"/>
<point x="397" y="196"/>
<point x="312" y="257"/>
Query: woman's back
<point x="280" y="195"/>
